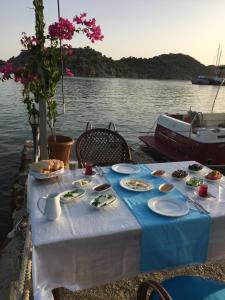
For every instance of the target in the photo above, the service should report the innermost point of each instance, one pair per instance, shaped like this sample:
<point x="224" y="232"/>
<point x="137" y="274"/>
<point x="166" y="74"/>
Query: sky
<point x="139" y="28"/>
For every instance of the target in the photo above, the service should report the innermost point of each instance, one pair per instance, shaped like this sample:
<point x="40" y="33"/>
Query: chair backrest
<point x="102" y="147"/>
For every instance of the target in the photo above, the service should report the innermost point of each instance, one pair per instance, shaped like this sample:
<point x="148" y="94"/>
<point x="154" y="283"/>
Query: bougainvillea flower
<point x="62" y="30"/>
<point x="69" y="72"/>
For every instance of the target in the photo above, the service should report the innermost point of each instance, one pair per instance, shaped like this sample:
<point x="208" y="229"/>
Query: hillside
<point x="91" y="63"/>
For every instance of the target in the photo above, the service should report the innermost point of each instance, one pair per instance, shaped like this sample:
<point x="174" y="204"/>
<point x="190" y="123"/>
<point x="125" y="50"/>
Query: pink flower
<point x="7" y="70"/>
<point x="68" y="50"/>
<point x="92" y="31"/>
<point x="62" y="30"/>
<point x="80" y="19"/>
<point x="28" y="41"/>
<point x="69" y="72"/>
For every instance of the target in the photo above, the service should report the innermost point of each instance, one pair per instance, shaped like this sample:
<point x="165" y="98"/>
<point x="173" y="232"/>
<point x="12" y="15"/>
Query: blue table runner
<point x="166" y="242"/>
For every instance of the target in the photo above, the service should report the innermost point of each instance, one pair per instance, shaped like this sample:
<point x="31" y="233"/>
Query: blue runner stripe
<point x="166" y="242"/>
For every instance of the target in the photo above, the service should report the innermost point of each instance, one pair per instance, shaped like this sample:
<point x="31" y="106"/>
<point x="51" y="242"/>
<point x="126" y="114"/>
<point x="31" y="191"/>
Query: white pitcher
<point x="52" y="209"/>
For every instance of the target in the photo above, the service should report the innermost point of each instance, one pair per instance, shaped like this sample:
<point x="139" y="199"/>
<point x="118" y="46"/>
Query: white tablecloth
<point x="87" y="247"/>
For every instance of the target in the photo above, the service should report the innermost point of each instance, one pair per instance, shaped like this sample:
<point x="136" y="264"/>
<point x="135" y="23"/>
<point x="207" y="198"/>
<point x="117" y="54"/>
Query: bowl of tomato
<point x="213" y="176"/>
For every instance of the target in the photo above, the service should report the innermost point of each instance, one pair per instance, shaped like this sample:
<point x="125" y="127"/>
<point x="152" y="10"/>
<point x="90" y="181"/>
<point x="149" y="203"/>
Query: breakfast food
<point x="214" y="175"/>
<point x="102" y="200"/>
<point x="195" y="167"/>
<point x="47" y="166"/>
<point x="158" y="173"/>
<point x="102" y="187"/>
<point x="194" y="182"/>
<point x="137" y="184"/>
<point x="179" y="174"/>
<point x="166" y="187"/>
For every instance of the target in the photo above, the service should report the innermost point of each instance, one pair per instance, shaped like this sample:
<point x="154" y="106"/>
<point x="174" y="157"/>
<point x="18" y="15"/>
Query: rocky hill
<point x="91" y="63"/>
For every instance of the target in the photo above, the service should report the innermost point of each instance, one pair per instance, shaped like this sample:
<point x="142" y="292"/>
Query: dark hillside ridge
<point x="90" y="63"/>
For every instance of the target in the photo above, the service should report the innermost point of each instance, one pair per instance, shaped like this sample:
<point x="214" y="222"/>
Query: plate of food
<point x="82" y="182"/>
<point x="46" y="169"/>
<point x="158" y="173"/>
<point x="136" y="185"/>
<point x="166" y="187"/>
<point x="102" y="200"/>
<point x="71" y="195"/>
<point x="101" y="188"/>
<point x="126" y="168"/>
<point x="195" y="168"/>
<point x="179" y="174"/>
<point x="213" y="176"/>
<point x="194" y="182"/>
<point x="170" y="207"/>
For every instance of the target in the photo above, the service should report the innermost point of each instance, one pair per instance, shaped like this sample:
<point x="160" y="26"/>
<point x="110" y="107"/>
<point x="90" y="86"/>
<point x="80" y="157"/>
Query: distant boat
<point x="209" y="80"/>
<point x="217" y="79"/>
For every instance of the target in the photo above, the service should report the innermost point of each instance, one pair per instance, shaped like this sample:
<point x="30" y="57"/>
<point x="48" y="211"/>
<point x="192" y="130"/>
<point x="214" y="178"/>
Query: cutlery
<point x="198" y="206"/>
<point x="211" y="196"/>
<point x="99" y="171"/>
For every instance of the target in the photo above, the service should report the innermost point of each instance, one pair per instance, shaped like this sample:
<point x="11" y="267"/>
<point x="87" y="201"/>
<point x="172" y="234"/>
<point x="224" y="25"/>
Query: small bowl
<point x="81" y="182"/>
<point x="162" y="186"/>
<point x="180" y="178"/>
<point x="193" y="186"/>
<point x="101" y="188"/>
<point x="213" y="180"/>
<point x="195" y="171"/>
<point x="102" y="200"/>
<point x="159" y="172"/>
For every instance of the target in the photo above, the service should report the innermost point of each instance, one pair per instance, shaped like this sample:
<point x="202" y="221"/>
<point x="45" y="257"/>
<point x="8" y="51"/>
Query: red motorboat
<point x="190" y="136"/>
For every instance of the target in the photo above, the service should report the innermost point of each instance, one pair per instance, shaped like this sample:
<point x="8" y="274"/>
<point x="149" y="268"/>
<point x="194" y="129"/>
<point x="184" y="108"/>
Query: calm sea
<point x="133" y="105"/>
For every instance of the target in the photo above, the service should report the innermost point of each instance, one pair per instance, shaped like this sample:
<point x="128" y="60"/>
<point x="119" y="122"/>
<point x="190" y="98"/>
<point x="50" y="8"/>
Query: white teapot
<point x="52" y="209"/>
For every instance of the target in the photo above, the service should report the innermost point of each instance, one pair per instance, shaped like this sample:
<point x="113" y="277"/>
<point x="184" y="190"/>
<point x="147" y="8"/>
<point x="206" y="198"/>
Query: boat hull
<point x="177" y="147"/>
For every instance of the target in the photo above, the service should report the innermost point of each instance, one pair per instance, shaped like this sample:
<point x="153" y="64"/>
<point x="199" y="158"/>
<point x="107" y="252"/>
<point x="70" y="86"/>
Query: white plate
<point x="38" y="175"/>
<point x="77" y="193"/>
<point x="127" y="184"/>
<point x="212" y="180"/>
<point x="102" y="200"/>
<point x="126" y="168"/>
<point x="169" y="207"/>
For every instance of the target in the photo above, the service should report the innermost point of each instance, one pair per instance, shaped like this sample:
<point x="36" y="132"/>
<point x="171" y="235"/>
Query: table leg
<point x="56" y="294"/>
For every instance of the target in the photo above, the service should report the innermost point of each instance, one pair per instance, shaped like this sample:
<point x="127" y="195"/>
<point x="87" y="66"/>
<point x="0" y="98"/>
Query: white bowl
<point x="152" y="173"/>
<point x="161" y="186"/>
<point x="102" y="184"/>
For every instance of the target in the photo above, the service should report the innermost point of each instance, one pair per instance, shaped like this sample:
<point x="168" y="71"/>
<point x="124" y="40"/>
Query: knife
<point x="197" y="205"/>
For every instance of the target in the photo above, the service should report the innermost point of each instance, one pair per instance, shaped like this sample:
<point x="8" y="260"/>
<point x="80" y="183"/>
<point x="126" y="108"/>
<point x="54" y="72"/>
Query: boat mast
<point x="217" y="60"/>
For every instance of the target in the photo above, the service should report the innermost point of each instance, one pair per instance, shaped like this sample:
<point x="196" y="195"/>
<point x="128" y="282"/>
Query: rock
<point x="22" y="178"/>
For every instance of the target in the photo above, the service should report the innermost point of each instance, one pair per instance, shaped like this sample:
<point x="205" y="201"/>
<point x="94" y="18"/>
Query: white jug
<point x="52" y="209"/>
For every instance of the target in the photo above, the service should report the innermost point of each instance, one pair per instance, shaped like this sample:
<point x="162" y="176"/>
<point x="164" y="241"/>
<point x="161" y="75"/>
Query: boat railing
<point x="195" y="123"/>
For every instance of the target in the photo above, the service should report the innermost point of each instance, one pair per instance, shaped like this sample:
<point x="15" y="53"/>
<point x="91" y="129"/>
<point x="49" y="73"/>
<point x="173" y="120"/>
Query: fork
<point x="99" y="171"/>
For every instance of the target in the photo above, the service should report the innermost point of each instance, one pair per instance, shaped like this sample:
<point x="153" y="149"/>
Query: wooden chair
<point x="102" y="147"/>
<point x="182" y="288"/>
